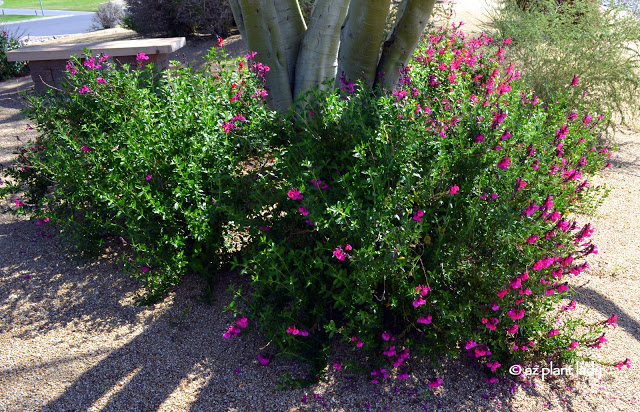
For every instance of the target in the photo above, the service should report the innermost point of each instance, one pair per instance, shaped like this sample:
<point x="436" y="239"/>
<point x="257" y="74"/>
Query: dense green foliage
<point x="555" y="41"/>
<point x="133" y="155"/>
<point x="179" y="17"/>
<point x="414" y="221"/>
<point x="8" y="69"/>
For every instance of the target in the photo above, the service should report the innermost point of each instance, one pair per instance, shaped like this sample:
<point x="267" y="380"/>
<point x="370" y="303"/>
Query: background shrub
<point x="108" y="16"/>
<point x="553" y="43"/>
<point x="10" y="70"/>
<point x="179" y="17"/>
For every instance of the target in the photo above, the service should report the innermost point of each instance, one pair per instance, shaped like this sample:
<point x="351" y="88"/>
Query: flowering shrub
<point x="8" y="69"/>
<point x="428" y="217"/>
<point x="418" y="221"/>
<point x="146" y="160"/>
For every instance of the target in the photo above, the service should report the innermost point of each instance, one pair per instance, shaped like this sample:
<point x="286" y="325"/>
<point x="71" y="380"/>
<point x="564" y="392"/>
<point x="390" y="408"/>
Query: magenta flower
<point x="435" y="383"/>
<point x="454" y="189"/>
<point x="242" y="322"/>
<point x="348" y="247"/>
<point x="423" y="290"/>
<point x="425" y="319"/>
<point x="145" y="269"/>
<point x="515" y="284"/>
<point x="339" y="254"/>
<point x="319" y="184"/>
<point x="100" y="80"/>
<point x="295" y="194"/>
<point x="521" y="184"/>
<point x="504" y="163"/>
<point x="391" y="351"/>
<point x="493" y="365"/>
<point x="303" y="211"/>
<point x="532" y="239"/>
<point x="613" y="320"/>
<point x="337" y="365"/>
<point x="148" y="177"/>
<point x="573" y="345"/>
<point x="403" y="376"/>
<point x="575" y="81"/>
<point x="419" y="302"/>
<point x="142" y="56"/>
<point x="386" y="336"/>
<point x="503" y="293"/>
<point x="418" y="215"/>
<point x="553" y="332"/>
<point x="264" y="361"/>
<point x="495" y="306"/>
<point x="19" y="203"/>
<point x="513" y="329"/>
<point x="491" y="323"/>
<point x="516" y="314"/>
<point x="479" y="139"/>
<point x="84" y="89"/>
<point x="227" y="126"/>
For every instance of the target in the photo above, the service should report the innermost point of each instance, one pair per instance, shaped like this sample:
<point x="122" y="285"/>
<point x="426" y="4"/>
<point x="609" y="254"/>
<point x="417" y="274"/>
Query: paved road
<point x="54" y="23"/>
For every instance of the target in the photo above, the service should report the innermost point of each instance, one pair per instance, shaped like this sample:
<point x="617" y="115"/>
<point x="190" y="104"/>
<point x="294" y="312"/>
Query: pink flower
<point x="84" y="89"/>
<point x="435" y="383"/>
<point x="148" y="177"/>
<point x="495" y="306"/>
<point x="515" y="284"/>
<point x="391" y="351"/>
<point x="504" y="163"/>
<point x="493" y="365"/>
<point x="423" y="290"/>
<point x="19" y="203"/>
<point x="532" y="239"/>
<point x="295" y="194"/>
<point x="479" y="139"/>
<point x="417" y="215"/>
<point x="348" y="247"/>
<point x="337" y="365"/>
<point x="264" y="361"/>
<point x="242" y="322"/>
<point x="573" y="345"/>
<point x="142" y="56"/>
<point x="503" y="293"/>
<point x="386" y="336"/>
<point x="403" y="376"/>
<point x="613" y="320"/>
<point x="227" y="126"/>
<point x="516" y="314"/>
<point x="232" y="331"/>
<point x="303" y="211"/>
<point x="100" y="80"/>
<point x="521" y="184"/>
<point x="513" y="329"/>
<point x="553" y="332"/>
<point x="145" y="269"/>
<point x="425" y="319"/>
<point x="339" y="254"/>
<point x="319" y="184"/>
<point x="419" y="302"/>
<point x="492" y="323"/>
<point x="454" y="189"/>
<point x="575" y="81"/>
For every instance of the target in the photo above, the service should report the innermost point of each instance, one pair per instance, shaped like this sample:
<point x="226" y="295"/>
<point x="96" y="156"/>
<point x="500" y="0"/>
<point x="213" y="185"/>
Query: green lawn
<point x="79" y="5"/>
<point x="8" y="18"/>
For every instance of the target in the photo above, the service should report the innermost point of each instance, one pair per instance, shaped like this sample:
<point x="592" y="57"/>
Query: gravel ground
<point x="72" y="338"/>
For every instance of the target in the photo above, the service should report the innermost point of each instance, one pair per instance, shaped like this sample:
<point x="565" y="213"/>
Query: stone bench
<point x="47" y="62"/>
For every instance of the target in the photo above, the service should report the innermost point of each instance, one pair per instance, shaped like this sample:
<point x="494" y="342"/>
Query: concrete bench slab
<point x="47" y="61"/>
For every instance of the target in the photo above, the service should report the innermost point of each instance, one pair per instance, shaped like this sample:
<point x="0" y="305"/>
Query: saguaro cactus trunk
<point x="343" y="38"/>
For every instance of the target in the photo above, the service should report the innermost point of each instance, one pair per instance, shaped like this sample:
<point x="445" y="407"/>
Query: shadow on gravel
<point x="604" y="305"/>
<point x="39" y="281"/>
